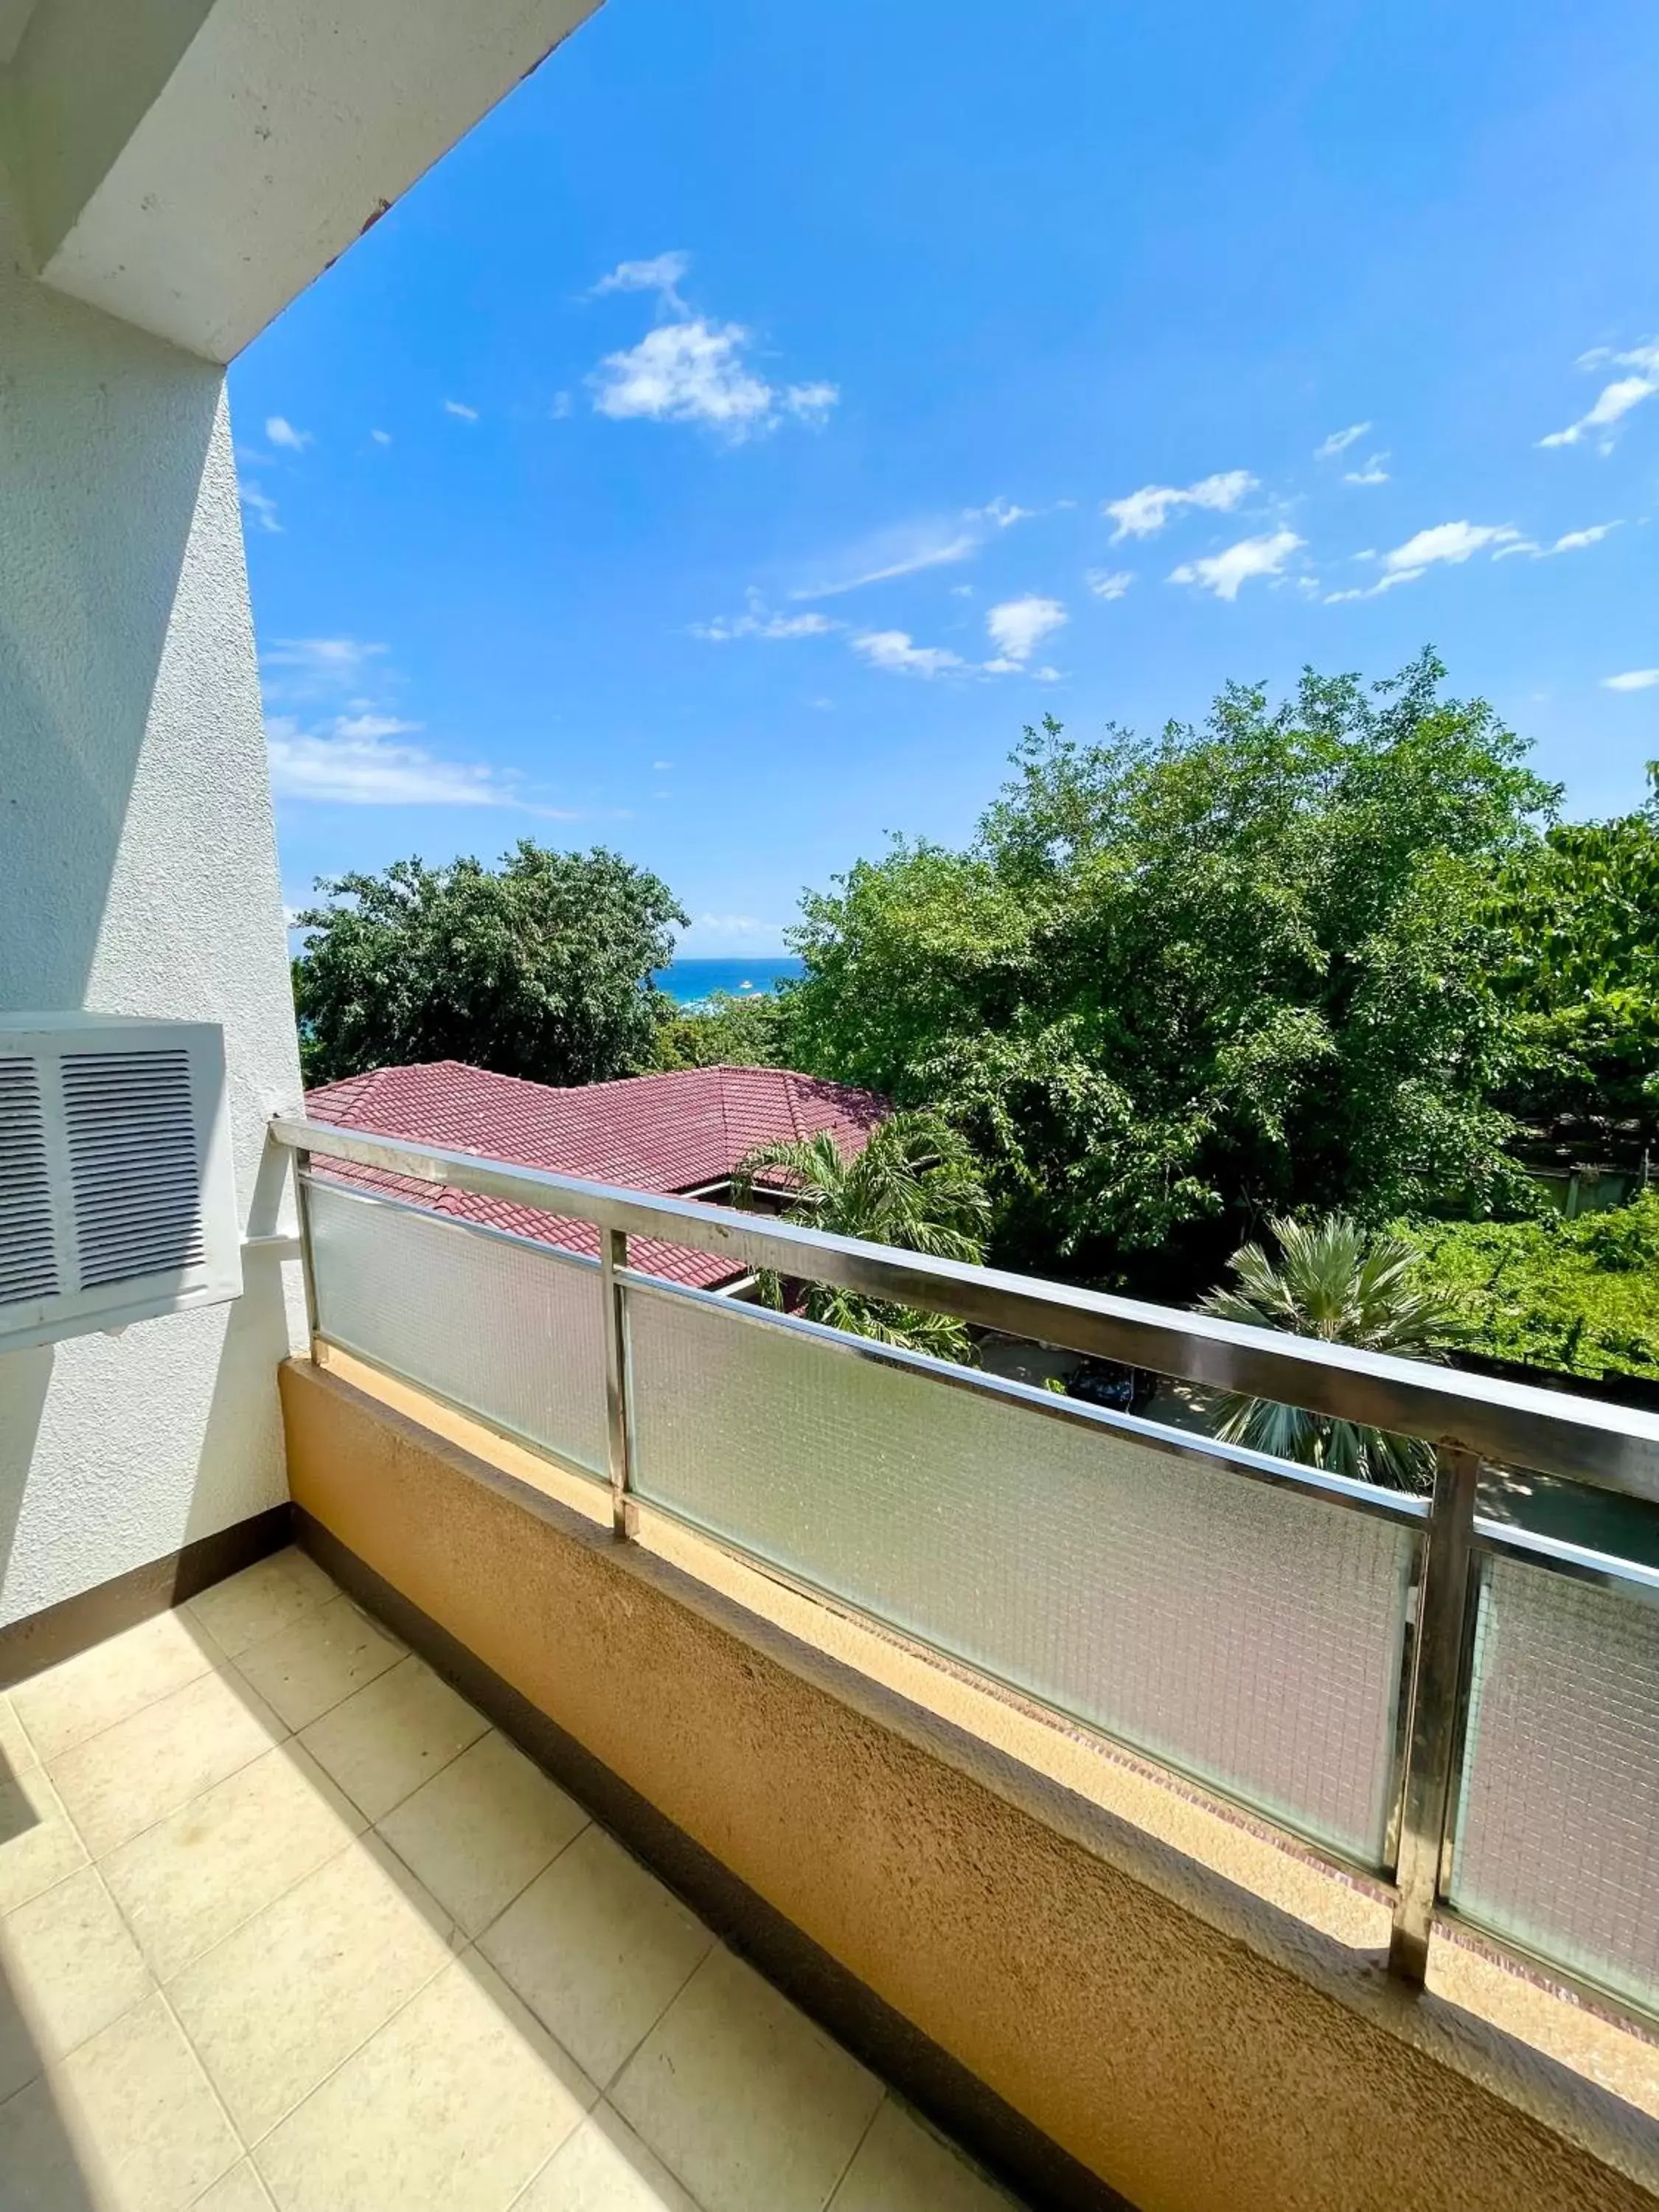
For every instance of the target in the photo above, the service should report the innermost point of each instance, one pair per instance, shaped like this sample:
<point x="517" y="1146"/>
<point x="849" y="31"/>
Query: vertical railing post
<point x="1443" y="1605"/>
<point x="613" y="1256"/>
<point x="307" y="1257"/>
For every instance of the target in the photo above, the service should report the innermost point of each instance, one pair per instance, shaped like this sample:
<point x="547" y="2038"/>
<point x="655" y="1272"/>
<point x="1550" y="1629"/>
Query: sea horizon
<point x="690" y="980"/>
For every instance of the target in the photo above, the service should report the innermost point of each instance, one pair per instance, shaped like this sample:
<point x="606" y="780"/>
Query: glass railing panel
<point x="1249" y="1634"/>
<point x="1556" y="1845"/>
<point x="507" y="1330"/>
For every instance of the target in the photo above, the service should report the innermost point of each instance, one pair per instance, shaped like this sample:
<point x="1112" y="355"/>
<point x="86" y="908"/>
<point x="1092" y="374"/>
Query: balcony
<point x="697" y="1759"/>
<point x="280" y="1904"/>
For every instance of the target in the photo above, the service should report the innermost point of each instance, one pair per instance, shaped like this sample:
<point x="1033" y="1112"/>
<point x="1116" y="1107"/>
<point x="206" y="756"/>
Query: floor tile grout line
<point x="61" y="2058"/>
<point x="402" y="1652"/>
<point x="196" y="1958"/>
<point x="296" y="1736"/>
<point x="588" y="1822"/>
<point x="839" y="2180"/>
<point x="196" y="1626"/>
<point x="229" y="2118"/>
<point x="209" y="1667"/>
<point x="450" y="1958"/>
<point x="97" y="1858"/>
<point x="289" y="1735"/>
<point x="695" y="2200"/>
<point x="696" y="1967"/>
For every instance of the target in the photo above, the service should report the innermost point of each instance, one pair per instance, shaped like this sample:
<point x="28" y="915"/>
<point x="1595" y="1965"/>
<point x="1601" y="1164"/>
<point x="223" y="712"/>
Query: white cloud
<point x="695" y="371"/>
<point x="1446" y="542"/>
<point x="459" y="409"/>
<point x="756" y="622"/>
<point x="1223" y="573"/>
<point x="1634" y="679"/>
<point x="809" y="403"/>
<point x="1109" y="583"/>
<point x="897" y="553"/>
<point x="281" y="432"/>
<point x="561" y="407"/>
<point x="894" y="651"/>
<point x="1002" y="512"/>
<point x="369" y="725"/>
<point x="381" y="437"/>
<point x="1575" y="539"/>
<point x="351" y="763"/>
<point x="341" y="659"/>
<point x="1373" y="590"/>
<point x="259" y="504"/>
<point x="660" y="275"/>
<point x="1017" y="627"/>
<point x="1372" y="473"/>
<point x="1339" y="440"/>
<point x="662" y="767"/>
<point x="1616" y="399"/>
<point x="1143" y="514"/>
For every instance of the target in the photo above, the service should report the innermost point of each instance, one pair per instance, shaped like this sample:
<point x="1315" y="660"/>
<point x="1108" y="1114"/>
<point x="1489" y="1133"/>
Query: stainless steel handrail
<point x="1613" y="1447"/>
<point x="1469" y="1418"/>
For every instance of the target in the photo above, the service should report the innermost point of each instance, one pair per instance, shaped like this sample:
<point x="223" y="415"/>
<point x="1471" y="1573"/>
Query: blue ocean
<point x="687" y="980"/>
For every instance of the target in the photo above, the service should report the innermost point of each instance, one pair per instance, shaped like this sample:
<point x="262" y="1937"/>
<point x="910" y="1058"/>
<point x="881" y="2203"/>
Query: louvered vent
<point x="133" y="1160"/>
<point x="28" y="1265"/>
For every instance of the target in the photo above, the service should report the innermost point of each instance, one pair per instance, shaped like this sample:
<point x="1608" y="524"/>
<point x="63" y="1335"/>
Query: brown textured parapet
<point x="1194" y="2045"/>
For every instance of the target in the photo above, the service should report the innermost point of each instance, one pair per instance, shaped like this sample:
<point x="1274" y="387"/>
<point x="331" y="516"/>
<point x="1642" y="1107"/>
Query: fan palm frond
<point x="1334" y="1281"/>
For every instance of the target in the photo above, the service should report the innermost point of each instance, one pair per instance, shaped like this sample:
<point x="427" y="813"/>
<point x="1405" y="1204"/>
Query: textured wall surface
<point x="1193" y="2071"/>
<point x="137" y="876"/>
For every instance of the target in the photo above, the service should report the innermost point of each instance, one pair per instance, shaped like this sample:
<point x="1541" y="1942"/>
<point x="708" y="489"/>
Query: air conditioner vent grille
<point x="133" y="1157"/>
<point x="29" y="1259"/>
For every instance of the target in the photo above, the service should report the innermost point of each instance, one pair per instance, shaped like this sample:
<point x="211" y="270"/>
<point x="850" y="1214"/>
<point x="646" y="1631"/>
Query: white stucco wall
<point x="137" y="876"/>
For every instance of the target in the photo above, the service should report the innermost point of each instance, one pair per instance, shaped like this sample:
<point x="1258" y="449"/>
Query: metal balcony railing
<point x="1466" y="1712"/>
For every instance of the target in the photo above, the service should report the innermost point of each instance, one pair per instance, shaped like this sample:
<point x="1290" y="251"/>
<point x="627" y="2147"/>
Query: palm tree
<point x="916" y="1184"/>
<point x="1333" y="1282"/>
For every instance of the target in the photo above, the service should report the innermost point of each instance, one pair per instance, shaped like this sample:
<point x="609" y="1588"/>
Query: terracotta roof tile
<point x="667" y="1134"/>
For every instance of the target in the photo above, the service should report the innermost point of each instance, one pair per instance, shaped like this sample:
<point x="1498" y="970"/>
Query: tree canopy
<point x="540" y="967"/>
<point x="726" y="1031"/>
<point x="1579" y="916"/>
<point x="1176" y="984"/>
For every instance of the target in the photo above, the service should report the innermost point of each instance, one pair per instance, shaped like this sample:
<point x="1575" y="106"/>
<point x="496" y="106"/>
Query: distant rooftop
<point x="669" y="1134"/>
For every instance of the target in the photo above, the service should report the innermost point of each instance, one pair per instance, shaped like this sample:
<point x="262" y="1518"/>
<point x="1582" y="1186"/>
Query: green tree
<point x="1578" y="914"/>
<point x="916" y="1184"/>
<point x="725" y="1030"/>
<point x="1580" y="1297"/>
<point x="1334" y="1281"/>
<point x="541" y="967"/>
<point x="1175" y="984"/>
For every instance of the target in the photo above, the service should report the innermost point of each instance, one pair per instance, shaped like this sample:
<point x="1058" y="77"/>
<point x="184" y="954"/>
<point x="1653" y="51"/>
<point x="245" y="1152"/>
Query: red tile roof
<point x="667" y="1134"/>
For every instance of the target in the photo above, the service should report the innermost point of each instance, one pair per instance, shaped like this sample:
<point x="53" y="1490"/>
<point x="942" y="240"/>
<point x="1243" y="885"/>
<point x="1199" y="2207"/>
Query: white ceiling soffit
<point x="191" y="164"/>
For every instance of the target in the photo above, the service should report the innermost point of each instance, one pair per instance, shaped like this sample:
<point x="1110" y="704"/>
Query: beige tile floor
<point x="285" y="1922"/>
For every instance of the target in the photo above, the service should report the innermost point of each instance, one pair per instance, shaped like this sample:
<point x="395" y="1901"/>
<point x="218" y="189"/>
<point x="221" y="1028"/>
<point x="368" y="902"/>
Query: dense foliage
<point x="1334" y="1281"/>
<point x="1579" y="917"/>
<point x="540" y="968"/>
<point x="725" y="1030"/>
<point x="914" y="1184"/>
<point x="1176" y="984"/>
<point x="1579" y="1296"/>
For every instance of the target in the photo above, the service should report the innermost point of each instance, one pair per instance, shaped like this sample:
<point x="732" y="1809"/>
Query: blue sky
<point x="767" y="411"/>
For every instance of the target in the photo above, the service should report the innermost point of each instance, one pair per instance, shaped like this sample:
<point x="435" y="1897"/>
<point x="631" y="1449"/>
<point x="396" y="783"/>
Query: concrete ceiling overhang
<point x="191" y="164"/>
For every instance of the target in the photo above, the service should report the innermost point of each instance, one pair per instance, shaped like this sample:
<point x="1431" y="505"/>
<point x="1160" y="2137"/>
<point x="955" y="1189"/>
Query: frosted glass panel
<point x="505" y="1330"/>
<point x="1246" y="1634"/>
<point x="1558" y="1834"/>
